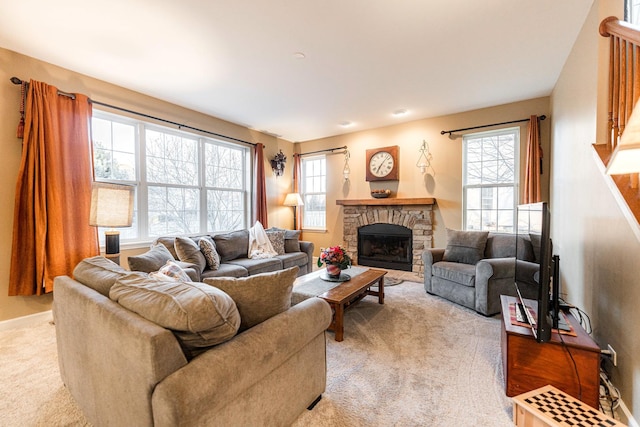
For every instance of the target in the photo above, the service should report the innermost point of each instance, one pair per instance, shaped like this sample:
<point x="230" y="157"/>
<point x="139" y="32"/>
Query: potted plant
<point x="336" y="260"/>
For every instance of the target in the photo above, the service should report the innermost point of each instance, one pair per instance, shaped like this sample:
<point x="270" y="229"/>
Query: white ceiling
<point x="363" y="60"/>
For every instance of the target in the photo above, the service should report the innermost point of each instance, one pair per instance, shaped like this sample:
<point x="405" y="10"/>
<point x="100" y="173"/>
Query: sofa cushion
<point x="199" y="315"/>
<point x="465" y="246"/>
<point x="226" y="270"/>
<point x="189" y="251"/>
<point x="98" y="273"/>
<point x="258" y="265"/>
<point x="232" y="245"/>
<point x="152" y="260"/>
<point x="294" y="258"/>
<point x="258" y="297"/>
<point x="464" y="274"/>
<point x="208" y="249"/>
<point x="277" y="241"/>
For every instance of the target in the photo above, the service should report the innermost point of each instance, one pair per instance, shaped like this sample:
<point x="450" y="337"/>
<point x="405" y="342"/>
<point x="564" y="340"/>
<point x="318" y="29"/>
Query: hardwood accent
<point x="529" y="365"/>
<point x="390" y="201"/>
<point x="624" y="92"/>
<point x="347" y="293"/>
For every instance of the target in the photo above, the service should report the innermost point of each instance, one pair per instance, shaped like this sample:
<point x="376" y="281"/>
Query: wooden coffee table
<point x="344" y="294"/>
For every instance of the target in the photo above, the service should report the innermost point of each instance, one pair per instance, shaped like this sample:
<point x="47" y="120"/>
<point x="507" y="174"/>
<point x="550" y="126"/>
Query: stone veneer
<point x="416" y="217"/>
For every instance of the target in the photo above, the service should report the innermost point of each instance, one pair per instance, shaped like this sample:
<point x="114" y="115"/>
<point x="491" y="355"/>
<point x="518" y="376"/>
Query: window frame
<point x="515" y="185"/>
<point x="304" y="192"/>
<point x="142" y="185"/>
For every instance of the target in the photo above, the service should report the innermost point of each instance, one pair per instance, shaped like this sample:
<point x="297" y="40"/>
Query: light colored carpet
<point x="417" y="360"/>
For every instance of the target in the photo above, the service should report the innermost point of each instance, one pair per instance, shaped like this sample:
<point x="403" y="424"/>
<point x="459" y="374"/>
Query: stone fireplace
<point x="414" y="214"/>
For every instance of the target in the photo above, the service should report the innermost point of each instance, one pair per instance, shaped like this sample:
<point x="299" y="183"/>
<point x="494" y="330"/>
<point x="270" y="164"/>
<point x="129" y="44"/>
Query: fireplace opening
<point x="385" y="246"/>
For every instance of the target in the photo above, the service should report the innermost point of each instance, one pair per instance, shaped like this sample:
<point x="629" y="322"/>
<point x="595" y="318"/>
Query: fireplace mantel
<point x="389" y="201"/>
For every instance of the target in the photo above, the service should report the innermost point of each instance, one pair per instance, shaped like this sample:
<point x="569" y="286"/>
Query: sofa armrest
<point x="494" y="277"/>
<point x="217" y="377"/>
<point x="308" y="248"/>
<point x="110" y="358"/>
<point x="430" y="257"/>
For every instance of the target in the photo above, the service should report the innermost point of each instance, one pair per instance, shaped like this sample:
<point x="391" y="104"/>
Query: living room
<point x="591" y="233"/>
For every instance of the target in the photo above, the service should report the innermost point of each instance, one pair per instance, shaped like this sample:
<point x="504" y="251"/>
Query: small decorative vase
<point x="333" y="271"/>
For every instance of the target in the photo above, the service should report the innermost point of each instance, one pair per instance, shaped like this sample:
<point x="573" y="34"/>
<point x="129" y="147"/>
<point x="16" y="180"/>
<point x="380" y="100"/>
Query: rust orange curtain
<point x="533" y="164"/>
<point x="260" y="202"/>
<point x="297" y="174"/>
<point x="51" y="231"/>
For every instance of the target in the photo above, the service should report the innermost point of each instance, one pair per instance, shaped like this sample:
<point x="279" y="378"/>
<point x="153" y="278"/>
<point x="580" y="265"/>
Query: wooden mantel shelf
<point x="389" y="201"/>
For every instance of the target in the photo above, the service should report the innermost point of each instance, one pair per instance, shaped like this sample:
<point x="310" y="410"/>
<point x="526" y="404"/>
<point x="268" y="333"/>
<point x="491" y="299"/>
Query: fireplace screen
<point x="385" y="246"/>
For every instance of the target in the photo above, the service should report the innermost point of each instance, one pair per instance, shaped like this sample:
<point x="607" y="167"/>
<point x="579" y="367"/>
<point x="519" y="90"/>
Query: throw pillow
<point x="152" y="260"/>
<point x="232" y="245"/>
<point x="173" y="271"/>
<point x="208" y="249"/>
<point x="291" y="239"/>
<point x="200" y="316"/>
<point x="189" y="251"/>
<point x="466" y="247"/>
<point x="277" y="241"/>
<point x="258" y="297"/>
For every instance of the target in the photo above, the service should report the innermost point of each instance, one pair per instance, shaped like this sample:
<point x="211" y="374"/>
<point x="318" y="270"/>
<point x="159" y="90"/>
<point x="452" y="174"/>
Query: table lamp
<point x="111" y="206"/>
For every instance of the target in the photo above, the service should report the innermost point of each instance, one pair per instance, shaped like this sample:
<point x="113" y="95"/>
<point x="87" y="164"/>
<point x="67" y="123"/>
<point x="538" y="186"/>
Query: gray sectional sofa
<point x="124" y="369"/>
<point x="232" y="248"/>
<point x="477" y="267"/>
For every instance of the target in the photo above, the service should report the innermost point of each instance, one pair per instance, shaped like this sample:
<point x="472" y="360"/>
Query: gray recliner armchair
<point x="477" y="267"/>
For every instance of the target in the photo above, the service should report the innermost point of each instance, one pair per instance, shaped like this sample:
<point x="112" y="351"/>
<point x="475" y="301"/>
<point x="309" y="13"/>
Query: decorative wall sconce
<point x="277" y="163"/>
<point x="424" y="160"/>
<point x="346" y="171"/>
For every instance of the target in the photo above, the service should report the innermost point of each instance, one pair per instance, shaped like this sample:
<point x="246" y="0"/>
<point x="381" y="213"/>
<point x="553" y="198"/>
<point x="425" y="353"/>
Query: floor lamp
<point x="294" y="200"/>
<point x="111" y="206"/>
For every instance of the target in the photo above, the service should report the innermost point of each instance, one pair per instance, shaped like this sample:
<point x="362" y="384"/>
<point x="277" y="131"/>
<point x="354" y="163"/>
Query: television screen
<point x="533" y="224"/>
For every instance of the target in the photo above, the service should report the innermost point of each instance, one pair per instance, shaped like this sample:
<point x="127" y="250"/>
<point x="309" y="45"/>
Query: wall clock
<point x="382" y="164"/>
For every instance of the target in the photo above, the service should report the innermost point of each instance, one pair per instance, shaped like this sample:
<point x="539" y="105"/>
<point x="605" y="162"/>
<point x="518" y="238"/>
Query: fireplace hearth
<point x="385" y="246"/>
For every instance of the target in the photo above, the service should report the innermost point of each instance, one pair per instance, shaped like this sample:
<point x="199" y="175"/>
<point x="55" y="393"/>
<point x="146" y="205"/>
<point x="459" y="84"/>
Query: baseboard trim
<point x="631" y="422"/>
<point x="26" y="321"/>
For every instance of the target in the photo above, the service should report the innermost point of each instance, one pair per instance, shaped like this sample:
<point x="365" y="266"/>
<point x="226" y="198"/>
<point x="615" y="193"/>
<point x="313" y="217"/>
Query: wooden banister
<point x="624" y="91"/>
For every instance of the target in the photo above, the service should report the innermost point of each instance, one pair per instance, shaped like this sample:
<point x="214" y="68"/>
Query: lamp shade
<point x="626" y="156"/>
<point x="293" y="199"/>
<point x="111" y="205"/>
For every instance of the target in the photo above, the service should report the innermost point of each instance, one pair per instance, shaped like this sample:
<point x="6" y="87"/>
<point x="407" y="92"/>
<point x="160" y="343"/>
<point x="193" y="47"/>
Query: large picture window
<point x="314" y="192"/>
<point x="185" y="183"/>
<point x="490" y="180"/>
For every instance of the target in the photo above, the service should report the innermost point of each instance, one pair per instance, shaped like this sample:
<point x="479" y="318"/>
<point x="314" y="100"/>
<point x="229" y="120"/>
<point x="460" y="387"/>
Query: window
<point x="314" y="192"/>
<point x="632" y="11"/>
<point x="185" y="184"/>
<point x="490" y="180"/>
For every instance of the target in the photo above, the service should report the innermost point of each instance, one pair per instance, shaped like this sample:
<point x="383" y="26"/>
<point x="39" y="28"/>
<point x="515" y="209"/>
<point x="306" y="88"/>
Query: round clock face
<point x="381" y="164"/>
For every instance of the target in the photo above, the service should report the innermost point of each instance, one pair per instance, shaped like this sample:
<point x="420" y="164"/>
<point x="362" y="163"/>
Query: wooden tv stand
<point x="528" y="365"/>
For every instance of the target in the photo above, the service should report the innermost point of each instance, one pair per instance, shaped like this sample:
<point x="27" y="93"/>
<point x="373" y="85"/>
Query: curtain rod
<point x="17" y="81"/>
<point x="321" y="151"/>
<point x="485" y="126"/>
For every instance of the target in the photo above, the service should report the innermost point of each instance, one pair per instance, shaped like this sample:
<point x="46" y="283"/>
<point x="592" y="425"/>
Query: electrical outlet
<point x="614" y="355"/>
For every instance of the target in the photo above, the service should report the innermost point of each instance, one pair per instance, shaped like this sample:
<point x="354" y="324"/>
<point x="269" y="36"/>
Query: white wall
<point x="600" y="268"/>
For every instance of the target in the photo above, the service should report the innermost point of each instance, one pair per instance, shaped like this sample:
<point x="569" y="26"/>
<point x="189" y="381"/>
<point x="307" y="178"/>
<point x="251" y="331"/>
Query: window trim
<point x="304" y="161"/>
<point x="516" y="172"/>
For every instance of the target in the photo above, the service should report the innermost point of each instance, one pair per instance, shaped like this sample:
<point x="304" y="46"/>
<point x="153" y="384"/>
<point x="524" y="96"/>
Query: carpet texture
<point x="417" y="360"/>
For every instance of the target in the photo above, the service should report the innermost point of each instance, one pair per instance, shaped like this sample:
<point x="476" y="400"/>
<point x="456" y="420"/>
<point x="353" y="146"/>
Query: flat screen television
<point x="534" y="224"/>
